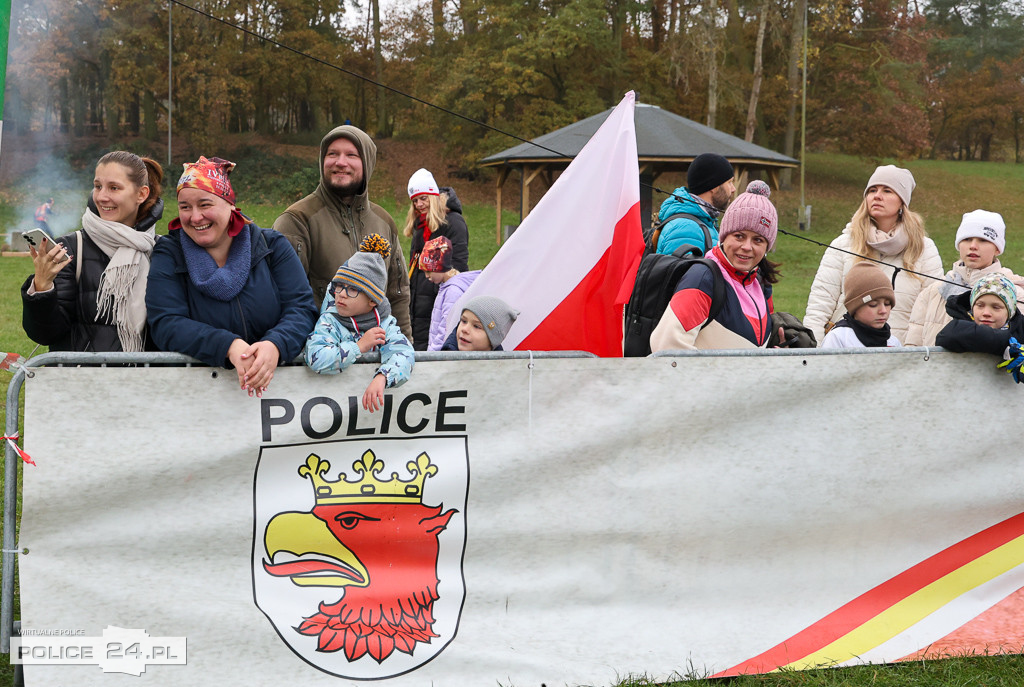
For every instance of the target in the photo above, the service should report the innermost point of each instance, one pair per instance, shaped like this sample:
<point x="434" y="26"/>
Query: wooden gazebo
<point x="665" y="142"/>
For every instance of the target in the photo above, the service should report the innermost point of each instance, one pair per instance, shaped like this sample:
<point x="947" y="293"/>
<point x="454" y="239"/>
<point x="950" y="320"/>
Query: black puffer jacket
<point x="964" y="335"/>
<point x="422" y="291"/>
<point x="64" y="318"/>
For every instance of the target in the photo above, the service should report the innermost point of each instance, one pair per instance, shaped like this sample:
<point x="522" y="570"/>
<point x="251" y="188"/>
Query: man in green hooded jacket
<point x="327" y="226"/>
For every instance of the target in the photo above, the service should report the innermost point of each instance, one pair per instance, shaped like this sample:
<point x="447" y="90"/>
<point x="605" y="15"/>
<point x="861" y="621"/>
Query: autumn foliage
<point x="885" y="79"/>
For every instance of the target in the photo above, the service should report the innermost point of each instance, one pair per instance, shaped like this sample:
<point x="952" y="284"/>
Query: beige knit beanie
<point x="864" y="283"/>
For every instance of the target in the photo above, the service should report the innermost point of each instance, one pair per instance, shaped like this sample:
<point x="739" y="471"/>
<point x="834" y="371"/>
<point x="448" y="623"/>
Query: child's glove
<point x="1015" y="362"/>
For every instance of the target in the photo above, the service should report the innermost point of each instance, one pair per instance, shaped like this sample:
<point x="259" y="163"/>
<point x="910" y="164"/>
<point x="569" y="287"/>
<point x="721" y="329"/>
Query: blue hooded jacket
<point x="683" y="229"/>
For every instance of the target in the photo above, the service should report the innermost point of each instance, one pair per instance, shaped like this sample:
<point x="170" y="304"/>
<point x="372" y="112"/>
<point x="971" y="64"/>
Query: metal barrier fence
<point x="60" y="359"/>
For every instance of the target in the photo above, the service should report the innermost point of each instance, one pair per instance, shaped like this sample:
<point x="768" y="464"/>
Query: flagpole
<point x="5" y="32"/>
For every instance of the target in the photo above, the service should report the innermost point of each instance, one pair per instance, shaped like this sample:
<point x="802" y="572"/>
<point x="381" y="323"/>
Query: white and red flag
<point x="569" y="267"/>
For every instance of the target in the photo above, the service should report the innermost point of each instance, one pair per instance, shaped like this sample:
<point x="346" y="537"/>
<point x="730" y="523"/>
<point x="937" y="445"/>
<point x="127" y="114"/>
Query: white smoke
<point x="52" y="177"/>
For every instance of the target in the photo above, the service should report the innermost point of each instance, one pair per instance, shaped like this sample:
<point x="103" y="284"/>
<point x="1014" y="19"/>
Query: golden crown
<point x="368" y="488"/>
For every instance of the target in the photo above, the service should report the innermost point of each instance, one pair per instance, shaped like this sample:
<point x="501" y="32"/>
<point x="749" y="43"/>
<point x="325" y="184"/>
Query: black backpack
<point x="654" y="287"/>
<point x="652" y="235"/>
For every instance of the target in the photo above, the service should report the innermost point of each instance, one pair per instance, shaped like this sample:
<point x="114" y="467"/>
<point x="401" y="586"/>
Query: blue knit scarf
<point x="219" y="283"/>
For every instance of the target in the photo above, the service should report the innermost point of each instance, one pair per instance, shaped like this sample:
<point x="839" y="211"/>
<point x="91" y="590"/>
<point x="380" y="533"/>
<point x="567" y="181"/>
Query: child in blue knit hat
<point x="360" y="321"/>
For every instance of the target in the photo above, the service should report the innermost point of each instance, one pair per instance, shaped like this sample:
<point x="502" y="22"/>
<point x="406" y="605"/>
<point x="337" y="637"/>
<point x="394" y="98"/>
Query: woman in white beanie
<point x="434" y="212"/>
<point x="886" y="229"/>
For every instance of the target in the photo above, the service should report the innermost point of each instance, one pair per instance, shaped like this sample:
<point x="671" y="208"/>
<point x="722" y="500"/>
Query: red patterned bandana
<point x="209" y="175"/>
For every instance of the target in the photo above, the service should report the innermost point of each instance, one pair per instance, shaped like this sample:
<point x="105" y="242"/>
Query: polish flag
<point x="569" y="267"/>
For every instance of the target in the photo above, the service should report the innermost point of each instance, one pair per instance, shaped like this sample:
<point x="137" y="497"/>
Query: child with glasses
<point x="360" y="321"/>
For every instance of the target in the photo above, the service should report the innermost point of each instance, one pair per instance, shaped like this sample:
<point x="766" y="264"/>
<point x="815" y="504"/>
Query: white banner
<point x="519" y="522"/>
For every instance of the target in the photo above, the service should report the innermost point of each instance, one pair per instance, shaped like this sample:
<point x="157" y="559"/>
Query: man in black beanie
<point x="709" y="188"/>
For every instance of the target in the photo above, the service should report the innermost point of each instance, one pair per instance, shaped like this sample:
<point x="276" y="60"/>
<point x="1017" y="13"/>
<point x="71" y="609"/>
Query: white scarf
<point x="122" y="289"/>
<point x="888" y="244"/>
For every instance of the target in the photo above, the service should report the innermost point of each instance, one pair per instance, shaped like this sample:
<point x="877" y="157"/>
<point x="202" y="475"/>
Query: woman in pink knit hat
<point x="743" y="318"/>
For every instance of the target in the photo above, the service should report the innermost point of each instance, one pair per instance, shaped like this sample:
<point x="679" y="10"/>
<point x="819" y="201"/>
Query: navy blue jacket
<point x="276" y="304"/>
<point x="963" y="335"/>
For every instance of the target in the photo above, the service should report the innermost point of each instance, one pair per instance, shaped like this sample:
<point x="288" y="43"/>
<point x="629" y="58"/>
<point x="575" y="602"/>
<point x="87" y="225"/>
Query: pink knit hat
<point x="752" y="211"/>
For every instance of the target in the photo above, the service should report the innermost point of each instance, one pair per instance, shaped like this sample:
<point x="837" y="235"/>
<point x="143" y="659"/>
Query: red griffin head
<point x="377" y="540"/>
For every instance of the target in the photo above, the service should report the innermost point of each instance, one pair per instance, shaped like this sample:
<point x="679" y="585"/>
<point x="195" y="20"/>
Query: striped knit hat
<point x="366" y="270"/>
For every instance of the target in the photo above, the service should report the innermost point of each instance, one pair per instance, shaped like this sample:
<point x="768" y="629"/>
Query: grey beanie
<point x="898" y="179"/>
<point x="496" y="316"/>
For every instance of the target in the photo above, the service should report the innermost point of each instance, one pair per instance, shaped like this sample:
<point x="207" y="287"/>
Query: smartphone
<point x="35" y="237"/>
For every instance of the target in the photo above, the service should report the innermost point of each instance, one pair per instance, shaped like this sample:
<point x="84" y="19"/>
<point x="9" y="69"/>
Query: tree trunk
<point x="712" y="49"/>
<point x="149" y="115"/>
<point x="111" y="112"/>
<point x="134" y="114"/>
<point x="437" y="14"/>
<point x="755" y="90"/>
<point x="81" y="105"/>
<point x="63" y="107"/>
<point x="794" y="83"/>
<point x="1018" y="117"/>
<point x="468" y="16"/>
<point x="378" y="73"/>
<point x="657" y="22"/>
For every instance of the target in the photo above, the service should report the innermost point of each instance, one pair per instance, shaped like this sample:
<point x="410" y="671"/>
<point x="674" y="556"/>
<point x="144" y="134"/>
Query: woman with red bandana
<point x="88" y="292"/>
<point x="748" y="231"/>
<point x="223" y="290"/>
<point x="434" y="212"/>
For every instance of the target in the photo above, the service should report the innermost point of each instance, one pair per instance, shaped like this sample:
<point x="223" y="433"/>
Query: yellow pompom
<point x="375" y="243"/>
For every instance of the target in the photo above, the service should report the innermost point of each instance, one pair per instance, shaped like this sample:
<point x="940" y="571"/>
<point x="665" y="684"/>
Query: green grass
<point x="945" y="190"/>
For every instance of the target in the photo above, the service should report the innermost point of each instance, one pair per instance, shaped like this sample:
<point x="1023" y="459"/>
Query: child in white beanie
<point x="360" y="321"/>
<point x="980" y="239"/>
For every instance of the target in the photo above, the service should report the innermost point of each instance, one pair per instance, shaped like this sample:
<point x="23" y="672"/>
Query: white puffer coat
<point x="825" y="302"/>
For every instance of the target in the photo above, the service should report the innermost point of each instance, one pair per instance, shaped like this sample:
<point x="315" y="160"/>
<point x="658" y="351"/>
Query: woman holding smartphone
<point x="88" y="292"/>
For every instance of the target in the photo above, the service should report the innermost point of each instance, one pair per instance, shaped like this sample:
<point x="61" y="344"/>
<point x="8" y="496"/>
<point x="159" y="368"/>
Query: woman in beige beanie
<point x="886" y="229"/>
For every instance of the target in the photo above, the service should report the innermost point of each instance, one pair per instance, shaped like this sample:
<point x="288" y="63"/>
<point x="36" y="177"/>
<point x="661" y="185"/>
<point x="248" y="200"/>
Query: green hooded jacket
<point x="326" y="228"/>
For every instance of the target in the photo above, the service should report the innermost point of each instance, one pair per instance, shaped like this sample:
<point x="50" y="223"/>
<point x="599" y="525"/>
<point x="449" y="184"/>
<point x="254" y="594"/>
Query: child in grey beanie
<point x="484" y="323"/>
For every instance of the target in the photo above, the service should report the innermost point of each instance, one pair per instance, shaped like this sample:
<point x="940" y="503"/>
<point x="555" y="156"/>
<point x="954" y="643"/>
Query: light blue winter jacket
<point x="683" y="229"/>
<point x="332" y="347"/>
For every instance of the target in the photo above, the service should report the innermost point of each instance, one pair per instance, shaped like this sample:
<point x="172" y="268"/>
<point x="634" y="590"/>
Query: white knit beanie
<point x="898" y="179"/>
<point x="422" y="182"/>
<point x="984" y="225"/>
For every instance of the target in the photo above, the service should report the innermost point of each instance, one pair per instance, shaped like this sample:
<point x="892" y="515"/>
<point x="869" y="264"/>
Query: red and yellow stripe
<point x="882" y="613"/>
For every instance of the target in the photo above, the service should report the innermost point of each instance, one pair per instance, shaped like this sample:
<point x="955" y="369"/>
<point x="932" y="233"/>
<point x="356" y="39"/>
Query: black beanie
<point x="707" y="171"/>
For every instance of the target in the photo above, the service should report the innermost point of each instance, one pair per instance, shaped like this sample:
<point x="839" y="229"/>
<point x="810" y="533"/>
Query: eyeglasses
<point x="347" y="289"/>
